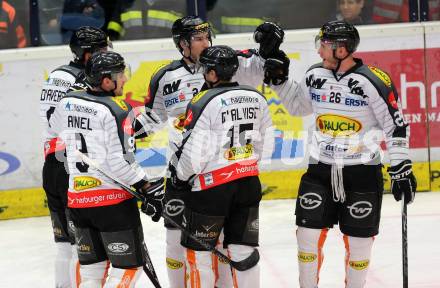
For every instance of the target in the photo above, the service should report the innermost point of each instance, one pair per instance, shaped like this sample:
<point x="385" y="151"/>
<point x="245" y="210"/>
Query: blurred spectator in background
<point x="78" y="13"/>
<point x="434" y="10"/>
<point x="144" y="19"/>
<point x="109" y="7"/>
<point x="50" y="14"/>
<point x="231" y="16"/>
<point x="351" y="11"/>
<point x="12" y="33"/>
<point x="391" y="11"/>
<point x="299" y="15"/>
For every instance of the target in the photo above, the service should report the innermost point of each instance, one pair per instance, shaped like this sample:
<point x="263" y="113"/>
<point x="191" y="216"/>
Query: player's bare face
<point x="199" y="42"/>
<point x="120" y="82"/>
<point x="325" y="51"/>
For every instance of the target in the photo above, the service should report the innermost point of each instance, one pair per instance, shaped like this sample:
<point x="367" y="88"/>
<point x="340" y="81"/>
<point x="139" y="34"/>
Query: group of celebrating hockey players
<point x="219" y="131"/>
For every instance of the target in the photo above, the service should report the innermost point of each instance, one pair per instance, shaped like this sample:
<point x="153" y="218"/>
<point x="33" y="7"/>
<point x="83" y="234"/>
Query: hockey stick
<point x="404" y="243"/>
<point x="242" y="265"/>
<point x="148" y="267"/>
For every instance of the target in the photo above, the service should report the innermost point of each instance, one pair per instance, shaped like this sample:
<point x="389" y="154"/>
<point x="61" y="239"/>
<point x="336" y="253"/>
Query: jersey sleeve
<point x="294" y="97"/>
<point x="53" y="90"/>
<point x="250" y="70"/>
<point x="155" y="105"/>
<point x="389" y="115"/>
<point x="194" y="150"/>
<point x="266" y="143"/>
<point x="54" y="129"/>
<point x="130" y="173"/>
<point x="145" y="123"/>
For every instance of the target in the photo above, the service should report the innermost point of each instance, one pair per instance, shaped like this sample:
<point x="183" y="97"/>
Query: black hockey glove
<point x="270" y="36"/>
<point x="276" y="69"/>
<point x="153" y="204"/>
<point x="177" y="185"/>
<point x="403" y="181"/>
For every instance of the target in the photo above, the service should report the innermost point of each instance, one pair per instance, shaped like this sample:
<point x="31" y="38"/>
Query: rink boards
<point x="409" y="53"/>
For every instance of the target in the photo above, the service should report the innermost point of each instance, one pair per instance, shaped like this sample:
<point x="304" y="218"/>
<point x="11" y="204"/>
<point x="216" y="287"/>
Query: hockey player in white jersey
<point x="354" y="105"/>
<point x="172" y="88"/>
<point x="106" y="217"/>
<point x="83" y="43"/>
<point x="227" y="131"/>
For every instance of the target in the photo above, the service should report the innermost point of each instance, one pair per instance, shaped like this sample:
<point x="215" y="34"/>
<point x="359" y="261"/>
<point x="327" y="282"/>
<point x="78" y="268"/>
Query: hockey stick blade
<point x="242" y="265"/>
<point x="148" y="267"/>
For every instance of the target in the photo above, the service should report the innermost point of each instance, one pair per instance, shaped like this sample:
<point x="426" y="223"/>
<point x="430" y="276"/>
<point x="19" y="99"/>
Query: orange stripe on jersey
<point x="184" y="275"/>
<point x="127" y="278"/>
<point x="194" y="272"/>
<point x="321" y="241"/>
<point x="347" y="255"/>
<point x="104" y="277"/>
<point x="215" y="264"/>
<point x="234" y="273"/>
<point x="77" y="274"/>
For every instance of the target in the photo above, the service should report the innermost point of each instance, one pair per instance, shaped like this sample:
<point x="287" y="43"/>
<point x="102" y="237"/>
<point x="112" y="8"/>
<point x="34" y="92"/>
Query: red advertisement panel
<point x="407" y="70"/>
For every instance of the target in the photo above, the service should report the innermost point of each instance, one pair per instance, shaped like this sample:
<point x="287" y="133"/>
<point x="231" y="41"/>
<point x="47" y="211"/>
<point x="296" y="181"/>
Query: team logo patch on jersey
<point x="306" y="257"/>
<point x="179" y="122"/>
<point x="381" y="75"/>
<point x="359" y="265"/>
<point x="85" y="182"/>
<point x="242" y="152"/>
<point x="198" y="97"/>
<point x="337" y="125"/>
<point x="181" y="96"/>
<point x="174" y="264"/>
<point x="121" y="103"/>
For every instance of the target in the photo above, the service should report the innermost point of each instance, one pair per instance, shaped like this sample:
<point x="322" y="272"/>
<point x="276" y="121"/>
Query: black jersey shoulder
<point x="72" y="70"/>
<point x="386" y="89"/>
<point x="314" y="66"/>
<point x="378" y="78"/>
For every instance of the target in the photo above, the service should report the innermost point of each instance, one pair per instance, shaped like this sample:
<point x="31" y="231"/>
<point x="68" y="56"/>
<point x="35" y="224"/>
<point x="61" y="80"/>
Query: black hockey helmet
<point x="339" y="33"/>
<point x="87" y="39"/>
<point x="222" y="59"/>
<point x="103" y="64"/>
<point x="184" y="28"/>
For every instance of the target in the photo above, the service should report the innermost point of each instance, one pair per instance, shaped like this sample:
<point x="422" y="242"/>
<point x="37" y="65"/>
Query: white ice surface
<point x="27" y="249"/>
